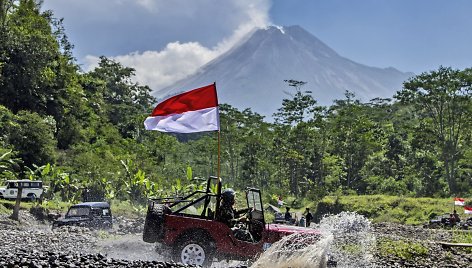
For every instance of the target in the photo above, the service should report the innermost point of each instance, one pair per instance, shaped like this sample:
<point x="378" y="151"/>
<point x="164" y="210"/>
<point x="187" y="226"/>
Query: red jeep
<point x="195" y="236"/>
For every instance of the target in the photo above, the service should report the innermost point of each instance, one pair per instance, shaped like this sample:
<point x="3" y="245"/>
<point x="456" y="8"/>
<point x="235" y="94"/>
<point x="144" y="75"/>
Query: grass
<point x="462" y="236"/>
<point x="3" y="209"/>
<point x="378" y="208"/>
<point x="126" y="209"/>
<point x="400" y="248"/>
<point x="119" y="208"/>
<point x="351" y="248"/>
<point x="382" y="208"/>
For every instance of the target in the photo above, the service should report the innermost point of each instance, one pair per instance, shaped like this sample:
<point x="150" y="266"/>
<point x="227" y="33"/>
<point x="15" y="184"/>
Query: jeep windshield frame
<point x="78" y="211"/>
<point x="254" y="201"/>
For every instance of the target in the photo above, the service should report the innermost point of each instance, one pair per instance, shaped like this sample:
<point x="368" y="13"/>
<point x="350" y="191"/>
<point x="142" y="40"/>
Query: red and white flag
<point x="459" y="201"/>
<point x="189" y="112"/>
<point x="468" y="210"/>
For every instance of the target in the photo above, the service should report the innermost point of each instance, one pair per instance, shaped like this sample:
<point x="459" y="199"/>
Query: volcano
<point x="252" y="73"/>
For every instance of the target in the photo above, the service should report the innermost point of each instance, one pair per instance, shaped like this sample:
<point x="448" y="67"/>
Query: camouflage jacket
<point x="226" y="215"/>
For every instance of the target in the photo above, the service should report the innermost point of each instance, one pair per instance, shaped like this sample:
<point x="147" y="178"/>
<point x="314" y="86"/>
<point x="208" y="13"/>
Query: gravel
<point x="436" y="256"/>
<point x="35" y="244"/>
<point x="32" y="243"/>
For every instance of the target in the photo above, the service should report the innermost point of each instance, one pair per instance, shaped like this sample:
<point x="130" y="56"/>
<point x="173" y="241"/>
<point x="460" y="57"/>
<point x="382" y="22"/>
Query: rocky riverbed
<point x="435" y="255"/>
<point x="32" y="243"/>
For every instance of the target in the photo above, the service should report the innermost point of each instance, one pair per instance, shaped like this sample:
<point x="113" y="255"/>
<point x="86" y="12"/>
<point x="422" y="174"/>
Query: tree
<point x="33" y="47"/>
<point x="124" y="101"/>
<point x="443" y="102"/>
<point x="33" y="137"/>
<point x="297" y="124"/>
<point x="37" y="71"/>
<point x="298" y="108"/>
<point x="29" y="135"/>
<point x="351" y="138"/>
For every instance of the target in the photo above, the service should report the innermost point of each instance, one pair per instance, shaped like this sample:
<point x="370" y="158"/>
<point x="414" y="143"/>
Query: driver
<point x="228" y="215"/>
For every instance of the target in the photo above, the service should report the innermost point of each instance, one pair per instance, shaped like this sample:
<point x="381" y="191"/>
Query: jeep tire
<point x="32" y="197"/>
<point x="153" y="225"/>
<point x="193" y="251"/>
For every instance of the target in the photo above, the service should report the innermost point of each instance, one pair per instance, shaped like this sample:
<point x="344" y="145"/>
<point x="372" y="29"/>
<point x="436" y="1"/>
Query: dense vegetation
<point x="382" y="208"/>
<point x="76" y="130"/>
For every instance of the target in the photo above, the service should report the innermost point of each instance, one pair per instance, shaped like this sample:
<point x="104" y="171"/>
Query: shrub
<point x="405" y="250"/>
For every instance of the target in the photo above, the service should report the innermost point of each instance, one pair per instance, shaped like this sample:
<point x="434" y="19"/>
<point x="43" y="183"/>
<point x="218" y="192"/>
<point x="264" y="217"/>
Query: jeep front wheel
<point x="193" y="252"/>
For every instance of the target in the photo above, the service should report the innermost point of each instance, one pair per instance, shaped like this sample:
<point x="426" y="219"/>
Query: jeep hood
<point x="290" y="229"/>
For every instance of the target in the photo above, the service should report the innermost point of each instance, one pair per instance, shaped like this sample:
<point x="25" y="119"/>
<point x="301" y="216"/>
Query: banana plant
<point x="136" y="184"/>
<point x="9" y="164"/>
<point x="177" y="188"/>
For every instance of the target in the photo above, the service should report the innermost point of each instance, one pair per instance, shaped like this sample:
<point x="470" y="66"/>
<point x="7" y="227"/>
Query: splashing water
<point x="291" y="251"/>
<point x="345" y="238"/>
<point x="353" y="242"/>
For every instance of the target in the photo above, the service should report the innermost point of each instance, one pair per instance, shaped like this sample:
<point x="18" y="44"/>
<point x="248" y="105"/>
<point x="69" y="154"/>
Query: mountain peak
<point x="274" y="28"/>
<point x="256" y="68"/>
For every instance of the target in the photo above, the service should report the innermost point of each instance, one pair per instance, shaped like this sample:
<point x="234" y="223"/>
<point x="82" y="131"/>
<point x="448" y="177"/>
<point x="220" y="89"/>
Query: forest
<point x="80" y="130"/>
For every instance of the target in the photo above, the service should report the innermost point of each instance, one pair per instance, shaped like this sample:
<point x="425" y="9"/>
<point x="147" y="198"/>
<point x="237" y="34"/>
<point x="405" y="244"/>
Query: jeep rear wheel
<point x="193" y="252"/>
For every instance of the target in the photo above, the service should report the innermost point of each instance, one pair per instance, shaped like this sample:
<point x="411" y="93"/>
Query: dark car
<point x="441" y="221"/>
<point x="88" y="214"/>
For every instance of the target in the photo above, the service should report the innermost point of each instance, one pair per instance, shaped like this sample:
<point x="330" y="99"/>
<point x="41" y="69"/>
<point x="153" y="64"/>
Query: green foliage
<point x="55" y="205"/>
<point x="9" y="165"/>
<point x="381" y="208"/>
<point x="462" y="236"/>
<point x="351" y="249"/>
<point x="32" y="136"/>
<point x="4" y="210"/>
<point x="405" y="250"/>
<point x="78" y="131"/>
<point x="127" y="209"/>
<point x="443" y="100"/>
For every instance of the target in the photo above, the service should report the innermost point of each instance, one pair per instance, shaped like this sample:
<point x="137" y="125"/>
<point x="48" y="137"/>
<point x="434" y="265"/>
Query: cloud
<point x="148" y="4"/>
<point x="161" y="68"/>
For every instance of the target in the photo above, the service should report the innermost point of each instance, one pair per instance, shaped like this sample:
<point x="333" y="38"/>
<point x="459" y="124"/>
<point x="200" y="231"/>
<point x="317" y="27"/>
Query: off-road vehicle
<point x="188" y="227"/>
<point x="88" y="214"/>
<point x="31" y="190"/>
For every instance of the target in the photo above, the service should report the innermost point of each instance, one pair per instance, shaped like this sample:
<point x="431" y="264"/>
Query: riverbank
<point x="32" y="243"/>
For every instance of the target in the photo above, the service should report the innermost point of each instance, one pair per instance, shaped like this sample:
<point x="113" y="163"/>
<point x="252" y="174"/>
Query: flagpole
<point x="219" y="159"/>
<point x="218" y="168"/>
<point x="219" y="148"/>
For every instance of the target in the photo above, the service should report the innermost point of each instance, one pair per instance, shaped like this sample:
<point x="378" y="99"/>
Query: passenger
<point x="280" y="202"/>
<point x="302" y="222"/>
<point x="452" y="220"/>
<point x="308" y="217"/>
<point x="288" y="216"/>
<point x="457" y="219"/>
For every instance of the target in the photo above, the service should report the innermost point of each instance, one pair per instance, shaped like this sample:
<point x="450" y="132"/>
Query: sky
<point x="167" y="40"/>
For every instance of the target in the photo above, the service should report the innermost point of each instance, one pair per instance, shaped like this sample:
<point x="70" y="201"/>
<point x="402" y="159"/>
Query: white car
<point x="31" y="189"/>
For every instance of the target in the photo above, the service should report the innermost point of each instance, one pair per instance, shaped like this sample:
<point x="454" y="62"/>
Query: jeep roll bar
<point x="173" y="201"/>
